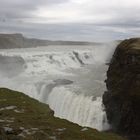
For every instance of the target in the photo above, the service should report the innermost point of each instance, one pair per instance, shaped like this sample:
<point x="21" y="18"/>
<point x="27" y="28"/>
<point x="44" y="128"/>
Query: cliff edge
<point x="23" y="118"/>
<point x="122" y="98"/>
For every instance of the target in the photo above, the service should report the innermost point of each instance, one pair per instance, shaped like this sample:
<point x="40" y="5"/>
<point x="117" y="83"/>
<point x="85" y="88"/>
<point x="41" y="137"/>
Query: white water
<point x="68" y="78"/>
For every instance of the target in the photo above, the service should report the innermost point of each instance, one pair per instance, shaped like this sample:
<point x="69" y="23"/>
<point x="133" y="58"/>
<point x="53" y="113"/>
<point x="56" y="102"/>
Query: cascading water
<point x="69" y="79"/>
<point x="80" y="109"/>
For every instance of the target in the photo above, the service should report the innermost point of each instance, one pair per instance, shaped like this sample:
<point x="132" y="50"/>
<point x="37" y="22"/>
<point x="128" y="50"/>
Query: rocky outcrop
<point x="122" y="98"/>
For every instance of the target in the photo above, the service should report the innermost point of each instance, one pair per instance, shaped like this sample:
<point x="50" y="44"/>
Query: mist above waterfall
<point x="68" y="78"/>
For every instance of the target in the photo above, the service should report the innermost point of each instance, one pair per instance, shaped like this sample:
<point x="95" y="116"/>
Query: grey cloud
<point x="124" y="22"/>
<point x="81" y="32"/>
<point x="11" y="9"/>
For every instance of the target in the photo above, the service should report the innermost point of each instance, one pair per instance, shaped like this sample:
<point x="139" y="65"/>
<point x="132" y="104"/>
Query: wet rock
<point x="122" y="98"/>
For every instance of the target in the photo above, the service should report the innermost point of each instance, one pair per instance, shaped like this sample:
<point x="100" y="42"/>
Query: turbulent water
<point x="68" y="78"/>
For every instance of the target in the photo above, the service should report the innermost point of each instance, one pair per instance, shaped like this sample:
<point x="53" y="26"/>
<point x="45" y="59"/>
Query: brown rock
<point x="122" y="99"/>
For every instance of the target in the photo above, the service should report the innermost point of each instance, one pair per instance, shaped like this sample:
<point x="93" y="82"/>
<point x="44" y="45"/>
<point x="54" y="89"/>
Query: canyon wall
<point x="9" y="41"/>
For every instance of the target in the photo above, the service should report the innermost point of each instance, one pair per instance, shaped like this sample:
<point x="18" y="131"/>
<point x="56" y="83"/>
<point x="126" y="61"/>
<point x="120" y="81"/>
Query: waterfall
<point x="70" y="81"/>
<point x="83" y="110"/>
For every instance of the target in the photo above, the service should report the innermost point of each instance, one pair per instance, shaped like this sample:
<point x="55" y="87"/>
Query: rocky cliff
<point x="122" y="99"/>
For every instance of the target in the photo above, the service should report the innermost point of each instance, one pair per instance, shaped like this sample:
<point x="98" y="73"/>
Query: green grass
<point x="38" y="121"/>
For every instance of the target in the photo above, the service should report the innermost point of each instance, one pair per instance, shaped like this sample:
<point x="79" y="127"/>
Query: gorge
<point x="70" y="79"/>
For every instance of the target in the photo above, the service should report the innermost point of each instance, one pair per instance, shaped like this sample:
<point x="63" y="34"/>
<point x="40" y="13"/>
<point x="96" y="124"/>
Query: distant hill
<point x="8" y="41"/>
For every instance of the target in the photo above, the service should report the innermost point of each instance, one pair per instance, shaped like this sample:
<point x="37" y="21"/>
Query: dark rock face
<point x="122" y="99"/>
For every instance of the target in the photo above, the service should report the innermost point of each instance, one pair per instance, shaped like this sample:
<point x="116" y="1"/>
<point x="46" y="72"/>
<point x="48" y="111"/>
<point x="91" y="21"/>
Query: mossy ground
<point x="23" y="118"/>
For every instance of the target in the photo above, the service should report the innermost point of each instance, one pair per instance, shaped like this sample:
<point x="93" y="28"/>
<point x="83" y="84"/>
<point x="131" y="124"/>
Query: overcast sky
<point x="92" y="20"/>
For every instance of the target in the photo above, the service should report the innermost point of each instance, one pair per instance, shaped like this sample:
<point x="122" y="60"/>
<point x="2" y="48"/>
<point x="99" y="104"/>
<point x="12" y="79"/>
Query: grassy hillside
<point x="23" y="118"/>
